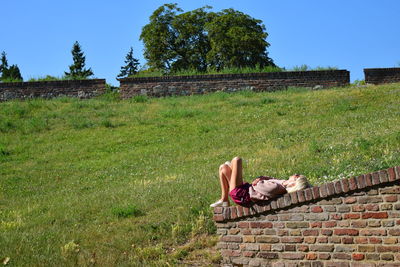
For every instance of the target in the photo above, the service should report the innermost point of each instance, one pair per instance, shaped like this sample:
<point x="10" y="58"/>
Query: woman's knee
<point x="237" y="160"/>
<point x="224" y="168"/>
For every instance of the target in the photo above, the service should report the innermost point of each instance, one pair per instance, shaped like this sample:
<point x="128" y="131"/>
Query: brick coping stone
<point x="328" y="190"/>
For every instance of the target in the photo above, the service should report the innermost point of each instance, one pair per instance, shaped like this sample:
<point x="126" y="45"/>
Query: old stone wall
<point x="351" y="222"/>
<point x="382" y="75"/>
<point x="50" y="89"/>
<point x="200" y="84"/>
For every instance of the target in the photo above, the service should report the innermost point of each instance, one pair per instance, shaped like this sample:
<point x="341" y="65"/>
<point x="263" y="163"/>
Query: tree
<point x="191" y="43"/>
<point x="131" y="66"/>
<point x="4" y="63"/>
<point x="237" y="40"/>
<point x="159" y="38"/>
<point x="200" y="40"/>
<point x="11" y="73"/>
<point x="77" y="70"/>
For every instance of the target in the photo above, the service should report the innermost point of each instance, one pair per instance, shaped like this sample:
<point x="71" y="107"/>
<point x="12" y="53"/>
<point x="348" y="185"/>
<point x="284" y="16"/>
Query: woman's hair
<point x="301" y="183"/>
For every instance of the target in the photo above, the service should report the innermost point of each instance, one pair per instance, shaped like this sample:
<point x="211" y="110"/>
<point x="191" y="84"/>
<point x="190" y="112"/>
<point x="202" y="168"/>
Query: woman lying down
<point x="262" y="188"/>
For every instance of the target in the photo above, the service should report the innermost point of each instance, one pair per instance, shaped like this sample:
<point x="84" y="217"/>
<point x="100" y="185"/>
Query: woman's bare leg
<point x="224" y="176"/>
<point x="237" y="173"/>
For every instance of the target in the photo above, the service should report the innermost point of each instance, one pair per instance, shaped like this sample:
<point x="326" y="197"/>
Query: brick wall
<point x="49" y="89"/>
<point x="199" y="84"/>
<point x="382" y="75"/>
<point x="351" y="222"/>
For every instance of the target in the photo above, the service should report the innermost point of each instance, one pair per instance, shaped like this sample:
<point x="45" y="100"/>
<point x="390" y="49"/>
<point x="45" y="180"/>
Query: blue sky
<point x="349" y="34"/>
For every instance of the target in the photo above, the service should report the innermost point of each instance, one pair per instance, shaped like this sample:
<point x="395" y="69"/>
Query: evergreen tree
<point x="131" y="66"/>
<point x="4" y="63"/>
<point x="78" y="70"/>
<point x="11" y="74"/>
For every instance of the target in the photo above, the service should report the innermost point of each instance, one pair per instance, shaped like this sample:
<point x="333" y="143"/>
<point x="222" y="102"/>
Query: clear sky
<point x="348" y="34"/>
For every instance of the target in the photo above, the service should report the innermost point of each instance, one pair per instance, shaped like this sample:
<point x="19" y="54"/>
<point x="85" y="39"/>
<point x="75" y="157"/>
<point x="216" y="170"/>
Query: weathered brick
<point x="294" y="225"/>
<point x="388" y="223"/>
<point x="323" y="191"/>
<point x="251" y="247"/>
<point x="310" y="232"/>
<point x="316" y="209"/>
<point x="370" y="232"/>
<point x="370" y="199"/>
<point x="330" y="188"/>
<point x="390" y="240"/>
<point x="352" y="183"/>
<point x="330" y="208"/>
<point x="335" y="239"/>
<point x="230" y="253"/>
<point x="383" y="176"/>
<point x="387" y="257"/>
<point x="351" y="232"/>
<point x="257" y="231"/>
<point x="311" y="256"/>
<point x="394" y="232"/>
<point x="358" y="256"/>
<point x="315" y="192"/>
<point x="233" y="231"/>
<point x="295" y="232"/>
<point x="391" y="198"/>
<point x="346" y="248"/>
<point x="268" y="255"/>
<point x="268" y="231"/>
<point x="390" y="190"/>
<point x="388" y="248"/>
<point x="359" y="224"/>
<point x="344" y="224"/>
<point x="315" y="224"/>
<point x="249" y="254"/>
<point x="375" y="215"/>
<point x="348" y="240"/>
<point x="249" y="239"/>
<point x="322" y="239"/>
<point x="231" y="238"/>
<point x="291" y="239"/>
<point x="265" y="247"/>
<point x="350" y="200"/>
<point x="336" y="216"/>
<point x="341" y="256"/>
<point x="372" y="207"/>
<point x="372" y="257"/>
<point x="326" y="232"/>
<point x="308" y="194"/>
<point x="366" y="248"/>
<point x="300" y="196"/>
<point x="374" y="223"/>
<point x="333" y="201"/>
<point x="324" y="256"/>
<point x="322" y="248"/>
<point x="329" y="224"/>
<point x="277" y="247"/>
<point x="293" y="256"/>
<point x="303" y="248"/>
<point x="357" y="208"/>
<point x="291" y="217"/>
<point x="375" y="240"/>
<point x="316" y="217"/>
<point x="368" y="179"/>
<point x="375" y="178"/>
<point x="309" y="240"/>
<point x="245" y="231"/>
<point x="243" y="224"/>
<point x="267" y="239"/>
<point x="392" y="174"/>
<point x="343" y="208"/>
<point x="352" y="216"/>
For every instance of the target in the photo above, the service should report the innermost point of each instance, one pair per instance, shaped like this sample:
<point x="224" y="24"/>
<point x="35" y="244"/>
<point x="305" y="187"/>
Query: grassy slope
<point x="125" y="181"/>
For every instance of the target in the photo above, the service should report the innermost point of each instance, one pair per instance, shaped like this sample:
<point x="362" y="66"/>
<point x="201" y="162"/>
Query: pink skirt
<point x="240" y="194"/>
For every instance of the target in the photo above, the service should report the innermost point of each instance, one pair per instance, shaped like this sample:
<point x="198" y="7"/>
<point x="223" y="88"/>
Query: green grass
<point x="128" y="182"/>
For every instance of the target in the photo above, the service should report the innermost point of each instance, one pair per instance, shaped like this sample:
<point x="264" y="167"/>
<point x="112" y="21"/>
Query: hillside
<point x="127" y="182"/>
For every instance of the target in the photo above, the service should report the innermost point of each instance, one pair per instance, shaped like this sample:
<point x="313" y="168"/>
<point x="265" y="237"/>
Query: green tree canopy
<point x="11" y="73"/>
<point x="77" y="70"/>
<point x="199" y="40"/>
<point x="131" y="66"/>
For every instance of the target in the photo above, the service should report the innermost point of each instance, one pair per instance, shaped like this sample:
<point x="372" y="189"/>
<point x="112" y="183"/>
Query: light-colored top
<point x="267" y="188"/>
